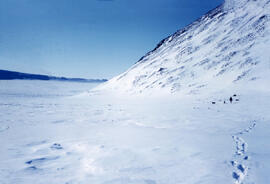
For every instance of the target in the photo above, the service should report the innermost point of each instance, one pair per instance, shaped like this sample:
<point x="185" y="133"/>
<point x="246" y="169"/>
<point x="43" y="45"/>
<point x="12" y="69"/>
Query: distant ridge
<point x="12" y="75"/>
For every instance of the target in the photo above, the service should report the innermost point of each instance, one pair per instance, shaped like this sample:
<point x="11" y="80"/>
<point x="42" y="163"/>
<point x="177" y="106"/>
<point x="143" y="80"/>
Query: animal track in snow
<point x="240" y="172"/>
<point x="241" y="145"/>
<point x="247" y="130"/>
<point x="241" y="159"/>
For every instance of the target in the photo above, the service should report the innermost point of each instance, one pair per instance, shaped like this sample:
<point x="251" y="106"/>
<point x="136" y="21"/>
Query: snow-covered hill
<point x="228" y="46"/>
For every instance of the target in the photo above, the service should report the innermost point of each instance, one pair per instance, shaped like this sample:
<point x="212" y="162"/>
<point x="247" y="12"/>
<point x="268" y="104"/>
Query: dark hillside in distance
<point x="11" y="75"/>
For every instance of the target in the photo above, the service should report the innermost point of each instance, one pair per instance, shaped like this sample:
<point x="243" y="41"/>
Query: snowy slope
<point x="226" y="47"/>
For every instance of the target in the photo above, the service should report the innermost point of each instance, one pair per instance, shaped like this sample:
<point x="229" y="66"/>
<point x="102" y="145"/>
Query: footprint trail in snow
<point x="241" y="159"/>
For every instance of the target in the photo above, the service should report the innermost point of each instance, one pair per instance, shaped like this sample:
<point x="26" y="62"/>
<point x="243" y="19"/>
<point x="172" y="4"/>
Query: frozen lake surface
<point x="50" y="134"/>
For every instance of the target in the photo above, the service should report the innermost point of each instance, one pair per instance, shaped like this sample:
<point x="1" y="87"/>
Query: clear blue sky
<point x="88" y="38"/>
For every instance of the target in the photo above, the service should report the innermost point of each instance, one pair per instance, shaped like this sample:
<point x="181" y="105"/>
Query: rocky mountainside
<point x="228" y="46"/>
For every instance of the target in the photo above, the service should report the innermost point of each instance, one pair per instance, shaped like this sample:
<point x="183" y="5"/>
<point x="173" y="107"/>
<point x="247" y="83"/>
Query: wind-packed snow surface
<point x="52" y="138"/>
<point x="228" y="46"/>
<point x="201" y="116"/>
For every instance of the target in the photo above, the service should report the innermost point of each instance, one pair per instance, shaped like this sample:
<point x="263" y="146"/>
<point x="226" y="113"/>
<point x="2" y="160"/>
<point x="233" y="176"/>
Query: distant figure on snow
<point x="231" y="99"/>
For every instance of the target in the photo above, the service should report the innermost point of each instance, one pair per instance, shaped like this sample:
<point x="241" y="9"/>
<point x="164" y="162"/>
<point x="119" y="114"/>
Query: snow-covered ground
<point x="167" y="120"/>
<point x="110" y="139"/>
